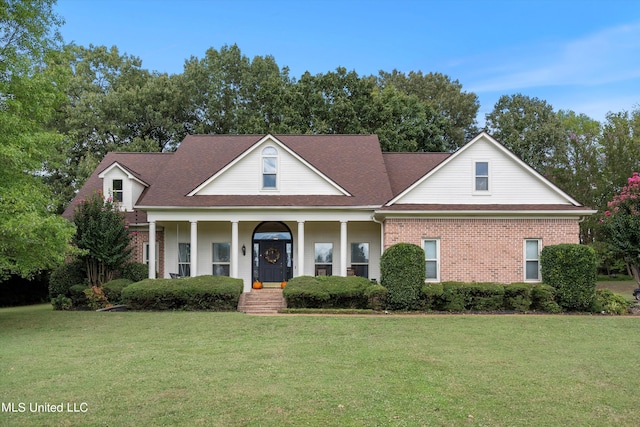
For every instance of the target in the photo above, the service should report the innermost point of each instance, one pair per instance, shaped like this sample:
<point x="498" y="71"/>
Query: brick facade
<point x="481" y="250"/>
<point x="138" y="239"/>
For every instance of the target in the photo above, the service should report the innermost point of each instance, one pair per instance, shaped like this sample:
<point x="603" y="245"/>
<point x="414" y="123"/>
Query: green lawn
<point x="622" y="287"/>
<point x="230" y="369"/>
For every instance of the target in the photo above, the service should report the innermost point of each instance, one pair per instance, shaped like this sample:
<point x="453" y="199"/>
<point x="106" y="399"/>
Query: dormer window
<point x="482" y="176"/>
<point x="117" y="191"/>
<point x="269" y="168"/>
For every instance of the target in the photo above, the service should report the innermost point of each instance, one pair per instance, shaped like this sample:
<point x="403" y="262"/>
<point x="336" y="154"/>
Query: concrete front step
<point x="260" y="301"/>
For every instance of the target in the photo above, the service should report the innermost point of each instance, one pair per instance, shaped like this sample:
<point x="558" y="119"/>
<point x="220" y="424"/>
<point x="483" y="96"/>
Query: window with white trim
<point x="324" y="259"/>
<point x="269" y="168"/>
<point x="184" y="259"/>
<point x="360" y="259"/>
<point x="432" y="259"/>
<point x="221" y="259"/>
<point x="532" y="248"/>
<point x="481" y="176"/>
<point x="117" y="190"/>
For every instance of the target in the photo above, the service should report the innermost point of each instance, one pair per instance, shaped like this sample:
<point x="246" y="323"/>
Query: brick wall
<point x="481" y="250"/>
<point x="138" y="239"/>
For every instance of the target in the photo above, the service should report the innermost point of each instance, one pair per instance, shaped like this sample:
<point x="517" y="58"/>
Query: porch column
<point x="152" y="250"/>
<point x="194" y="248"/>
<point x="300" y="248"/>
<point x="343" y="248"/>
<point x="234" y="249"/>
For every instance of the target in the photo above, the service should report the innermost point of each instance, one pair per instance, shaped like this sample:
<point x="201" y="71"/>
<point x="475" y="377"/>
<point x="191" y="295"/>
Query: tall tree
<point x="578" y="167"/>
<point x="32" y="238"/>
<point x="406" y="124"/>
<point x="112" y="104"/>
<point x="457" y="109"/>
<point x="530" y="128"/>
<point x="620" y="152"/>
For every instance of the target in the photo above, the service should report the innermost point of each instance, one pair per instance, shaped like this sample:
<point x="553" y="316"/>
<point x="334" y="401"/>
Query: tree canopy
<point x="32" y="238"/>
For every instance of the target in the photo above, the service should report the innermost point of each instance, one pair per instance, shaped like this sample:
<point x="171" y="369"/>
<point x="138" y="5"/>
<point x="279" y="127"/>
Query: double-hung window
<point x="221" y="259"/>
<point x="360" y="259"/>
<point x="184" y="259"/>
<point x="117" y="190"/>
<point x="324" y="259"/>
<point x="432" y="259"/>
<point x="269" y="168"/>
<point x="532" y="248"/>
<point x="481" y="176"/>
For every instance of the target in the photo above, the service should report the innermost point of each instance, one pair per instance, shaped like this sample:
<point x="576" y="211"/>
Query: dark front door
<point x="272" y="261"/>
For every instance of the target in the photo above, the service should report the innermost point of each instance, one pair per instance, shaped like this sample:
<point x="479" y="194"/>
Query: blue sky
<point x="578" y="55"/>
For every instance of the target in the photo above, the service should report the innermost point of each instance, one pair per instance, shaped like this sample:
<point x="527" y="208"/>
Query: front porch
<point x="270" y="251"/>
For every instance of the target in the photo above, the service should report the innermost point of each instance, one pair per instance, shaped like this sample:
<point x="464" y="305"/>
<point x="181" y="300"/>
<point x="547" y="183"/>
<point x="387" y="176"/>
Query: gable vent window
<point x="482" y="176"/>
<point x="117" y="190"/>
<point x="269" y="168"/>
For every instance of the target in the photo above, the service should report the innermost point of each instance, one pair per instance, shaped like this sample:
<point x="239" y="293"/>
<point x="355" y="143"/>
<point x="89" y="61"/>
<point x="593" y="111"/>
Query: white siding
<point x="509" y="182"/>
<point x="245" y="177"/>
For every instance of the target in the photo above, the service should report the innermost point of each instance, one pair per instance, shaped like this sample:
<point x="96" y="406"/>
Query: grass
<point x="230" y="369"/>
<point x="621" y="287"/>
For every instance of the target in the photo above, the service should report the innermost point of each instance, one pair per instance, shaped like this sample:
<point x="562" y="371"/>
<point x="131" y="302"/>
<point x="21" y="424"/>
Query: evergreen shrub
<point x="480" y="296"/>
<point x="210" y="293"/>
<point x="452" y="297"/>
<point x="517" y="296"/>
<point x="113" y="290"/>
<point x="431" y="297"/>
<point x="609" y="303"/>
<point x="543" y="299"/>
<point x="572" y="270"/>
<point x="403" y="272"/>
<point x="65" y="276"/>
<point x="334" y="292"/>
<point x="135" y="271"/>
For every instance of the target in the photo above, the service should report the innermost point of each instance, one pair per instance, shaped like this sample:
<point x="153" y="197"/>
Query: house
<point x="272" y="207"/>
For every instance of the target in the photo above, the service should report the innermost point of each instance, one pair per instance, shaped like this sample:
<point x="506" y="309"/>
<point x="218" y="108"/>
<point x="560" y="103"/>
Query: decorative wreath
<point x="272" y="255"/>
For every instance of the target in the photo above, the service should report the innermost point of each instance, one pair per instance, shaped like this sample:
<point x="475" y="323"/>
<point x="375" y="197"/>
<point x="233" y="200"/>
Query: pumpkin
<point x="283" y="284"/>
<point x="257" y="285"/>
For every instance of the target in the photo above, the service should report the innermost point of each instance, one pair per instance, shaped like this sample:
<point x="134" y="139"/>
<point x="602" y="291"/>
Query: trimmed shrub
<point x="479" y="296"/>
<point x="609" y="303"/>
<point x="543" y="299"/>
<point x="452" y="297"/>
<point x="402" y="269"/>
<point x="211" y="293"/>
<point x="135" y="272"/>
<point x="65" y="276"/>
<point x="431" y="297"/>
<point x="113" y="290"/>
<point x="517" y="296"/>
<point x="572" y="270"/>
<point x="376" y="297"/>
<point x="334" y="292"/>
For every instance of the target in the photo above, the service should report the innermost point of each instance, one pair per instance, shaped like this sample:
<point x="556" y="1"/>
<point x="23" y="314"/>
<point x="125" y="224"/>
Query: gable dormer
<point x="269" y="167"/>
<point x="122" y="185"/>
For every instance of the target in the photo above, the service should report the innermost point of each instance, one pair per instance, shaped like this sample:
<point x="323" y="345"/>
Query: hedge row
<point x="214" y="293"/>
<point x="334" y="292"/>
<point x="456" y="297"/>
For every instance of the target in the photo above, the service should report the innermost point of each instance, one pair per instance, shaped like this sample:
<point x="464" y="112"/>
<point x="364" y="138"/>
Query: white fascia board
<point x="484" y="213"/>
<point x="124" y="170"/>
<point x="501" y="147"/>
<point x="254" y="147"/>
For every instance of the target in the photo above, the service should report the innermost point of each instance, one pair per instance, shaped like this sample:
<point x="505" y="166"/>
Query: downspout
<point x="373" y="218"/>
